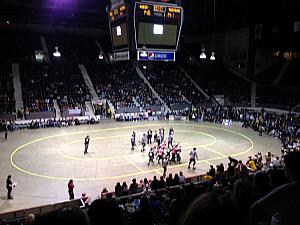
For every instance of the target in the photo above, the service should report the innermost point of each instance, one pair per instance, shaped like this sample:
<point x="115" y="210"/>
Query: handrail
<point x="21" y="214"/>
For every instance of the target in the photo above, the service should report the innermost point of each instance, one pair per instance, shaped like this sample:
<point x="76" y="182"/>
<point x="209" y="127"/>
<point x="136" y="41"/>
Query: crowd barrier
<point x="81" y="119"/>
<point x="39" y="115"/>
<point x="21" y="214"/>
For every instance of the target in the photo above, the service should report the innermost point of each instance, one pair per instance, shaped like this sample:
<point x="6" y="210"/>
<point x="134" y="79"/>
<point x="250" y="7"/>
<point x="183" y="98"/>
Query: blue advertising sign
<point x="155" y="56"/>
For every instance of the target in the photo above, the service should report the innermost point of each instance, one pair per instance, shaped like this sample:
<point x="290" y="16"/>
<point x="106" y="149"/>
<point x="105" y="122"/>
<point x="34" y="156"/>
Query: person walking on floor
<point x="193" y="157"/>
<point x="165" y="166"/>
<point x="86" y="144"/>
<point x="71" y="189"/>
<point x="9" y="186"/>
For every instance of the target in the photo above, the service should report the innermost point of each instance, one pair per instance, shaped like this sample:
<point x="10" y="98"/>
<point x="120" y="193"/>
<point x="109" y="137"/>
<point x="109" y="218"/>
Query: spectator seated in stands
<point x="104" y="211"/>
<point x="282" y="203"/>
<point x="7" y="99"/>
<point x="213" y="209"/>
<point x="43" y="83"/>
<point x="179" y="91"/>
<point x="121" y="85"/>
<point x="67" y="215"/>
<point x="85" y="200"/>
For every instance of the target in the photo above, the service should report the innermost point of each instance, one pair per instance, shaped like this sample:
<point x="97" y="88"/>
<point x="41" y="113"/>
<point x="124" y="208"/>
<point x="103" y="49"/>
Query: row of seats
<point x="276" y="98"/>
<point x="120" y="84"/>
<point x="215" y="79"/>
<point x="41" y="83"/>
<point x="172" y="84"/>
<point x="7" y="100"/>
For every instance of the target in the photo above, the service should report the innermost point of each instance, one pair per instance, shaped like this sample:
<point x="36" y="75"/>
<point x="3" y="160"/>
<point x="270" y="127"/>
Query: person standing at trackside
<point x="149" y="137"/>
<point x="132" y="140"/>
<point x="170" y="140"/>
<point x="9" y="186"/>
<point x="6" y="131"/>
<point x="71" y="189"/>
<point x="151" y="156"/>
<point x="164" y="166"/>
<point x="86" y="144"/>
<point x="143" y="141"/>
<point x="193" y="157"/>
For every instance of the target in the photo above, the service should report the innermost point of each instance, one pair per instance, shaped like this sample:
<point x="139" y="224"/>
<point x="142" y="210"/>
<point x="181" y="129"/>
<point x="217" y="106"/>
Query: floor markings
<point x="141" y="171"/>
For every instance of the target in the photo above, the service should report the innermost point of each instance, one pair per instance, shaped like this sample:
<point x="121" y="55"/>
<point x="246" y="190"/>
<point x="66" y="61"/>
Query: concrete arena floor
<point x="42" y="161"/>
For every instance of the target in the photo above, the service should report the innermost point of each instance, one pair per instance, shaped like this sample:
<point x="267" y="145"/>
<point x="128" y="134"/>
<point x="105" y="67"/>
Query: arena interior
<point x="162" y="112"/>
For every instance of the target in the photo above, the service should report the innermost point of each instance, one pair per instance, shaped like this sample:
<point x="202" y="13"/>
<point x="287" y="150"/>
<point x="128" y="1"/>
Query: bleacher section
<point x="120" y="84"/>
<point x="7" y="100"/>
<point x="215" y="79"/>
<point x="41" y="83"/>
<point x="274" y="97"/>
<point x="172" y="85"/>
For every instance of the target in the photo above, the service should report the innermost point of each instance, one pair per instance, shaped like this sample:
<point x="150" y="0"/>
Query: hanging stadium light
<point x="202" y="55"/>
<point x="56" y="53"/>
<point x="212" y="57"/>
<point x="101" y="56"/>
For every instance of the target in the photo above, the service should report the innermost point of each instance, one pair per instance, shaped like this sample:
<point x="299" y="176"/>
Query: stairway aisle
<point x="142" y="76"/>
<point x="89" y="109"/>
<point x="57" y="110"/>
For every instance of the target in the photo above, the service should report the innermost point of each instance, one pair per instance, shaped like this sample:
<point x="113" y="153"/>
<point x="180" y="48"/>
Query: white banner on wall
<point x="121" y="56"/>
<point x="74" y="111"/>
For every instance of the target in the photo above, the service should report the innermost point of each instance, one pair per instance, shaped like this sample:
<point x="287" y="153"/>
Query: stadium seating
<point x="41" y="83"/>
<point x="7" y="100"/>
<point x="172" y="85"/>
<point x="120" y="84"/>
<point x="215" y="79"/>
<point x="274" y="97"/>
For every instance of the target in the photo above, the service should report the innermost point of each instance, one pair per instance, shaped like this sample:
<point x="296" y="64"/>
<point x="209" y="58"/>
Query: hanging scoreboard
<point x="157" y="26"/>
<point x="118" y="24"/>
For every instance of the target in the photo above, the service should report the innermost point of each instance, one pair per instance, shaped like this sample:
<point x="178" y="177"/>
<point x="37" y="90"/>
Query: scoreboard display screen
<point x="118" y="23"/>
<point x="157" y="34"/>
<point x="157" y="26"/>
<point x="119" y="35"/>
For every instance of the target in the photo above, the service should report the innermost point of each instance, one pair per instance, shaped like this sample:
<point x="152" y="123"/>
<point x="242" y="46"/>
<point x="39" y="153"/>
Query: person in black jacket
<point x="9" y="187"/>
<point x="86" y="144"/>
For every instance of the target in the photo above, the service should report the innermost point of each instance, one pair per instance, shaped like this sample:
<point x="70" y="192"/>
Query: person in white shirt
<point x="193" y="157"/>
<point x="181" y="178"/>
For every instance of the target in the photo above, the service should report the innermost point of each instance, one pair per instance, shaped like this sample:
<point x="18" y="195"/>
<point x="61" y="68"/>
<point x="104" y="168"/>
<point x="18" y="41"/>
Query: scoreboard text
<point x="158" y="10"/>
<point x="117" y="13"/>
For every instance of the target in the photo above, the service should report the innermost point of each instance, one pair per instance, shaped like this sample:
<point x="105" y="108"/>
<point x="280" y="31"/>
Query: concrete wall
<point x="40" y="115"/>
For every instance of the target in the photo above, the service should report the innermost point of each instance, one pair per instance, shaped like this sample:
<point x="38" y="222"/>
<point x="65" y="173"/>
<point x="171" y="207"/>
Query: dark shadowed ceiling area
<point x="199" y="14"/>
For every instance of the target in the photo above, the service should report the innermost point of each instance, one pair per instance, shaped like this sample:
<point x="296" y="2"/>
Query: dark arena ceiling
<point x="199" y="14"/>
